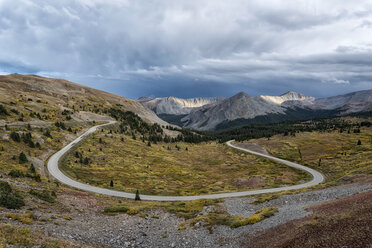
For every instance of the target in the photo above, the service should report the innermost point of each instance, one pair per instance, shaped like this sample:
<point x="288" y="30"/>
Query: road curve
<point x="57" y="173"/>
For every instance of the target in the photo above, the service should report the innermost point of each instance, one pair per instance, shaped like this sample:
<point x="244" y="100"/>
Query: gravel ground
<point x="133" y="231"/>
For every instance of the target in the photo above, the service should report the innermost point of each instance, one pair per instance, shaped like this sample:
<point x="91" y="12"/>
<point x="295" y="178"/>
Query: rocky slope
<point x="290" y="105"/>
<point x="360" y="101"/>
<point x="288" y="96"/>
<point x="176" y="106"/>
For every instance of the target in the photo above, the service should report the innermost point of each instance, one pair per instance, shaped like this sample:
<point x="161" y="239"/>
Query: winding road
<point x="57" y="173"/>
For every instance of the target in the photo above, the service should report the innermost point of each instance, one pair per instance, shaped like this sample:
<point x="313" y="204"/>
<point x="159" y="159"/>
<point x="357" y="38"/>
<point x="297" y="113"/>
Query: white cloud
<point x="279" y="41"/>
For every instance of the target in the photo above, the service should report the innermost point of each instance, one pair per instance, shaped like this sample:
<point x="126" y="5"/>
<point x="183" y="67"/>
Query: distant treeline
<point x="132" y="124"/>
<point x="254" y="131"/>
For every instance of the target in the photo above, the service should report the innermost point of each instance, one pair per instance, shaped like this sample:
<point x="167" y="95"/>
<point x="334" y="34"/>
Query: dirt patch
<point x="81" y="200"/>
<point x="253" y="147"/>
<point x="253" y="182"/>
<point x="344" y="222"/>
<point x="39" y="164"/>
<point x="287" y="176"/>
<point x="88" y="116"/>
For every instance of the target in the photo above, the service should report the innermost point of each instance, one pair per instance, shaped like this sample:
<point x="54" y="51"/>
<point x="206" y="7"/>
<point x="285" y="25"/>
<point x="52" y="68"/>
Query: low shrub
<point x="26" y="218"/>
<point x="44" y="195"/>
<point x="116" y="209"/>
<point x="16" y="173"/>
<point x="9" y="198"/>
<point x="256" y="217"/>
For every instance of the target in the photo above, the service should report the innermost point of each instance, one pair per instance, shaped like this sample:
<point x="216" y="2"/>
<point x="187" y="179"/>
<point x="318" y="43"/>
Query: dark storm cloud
<point x="192" y="48"/>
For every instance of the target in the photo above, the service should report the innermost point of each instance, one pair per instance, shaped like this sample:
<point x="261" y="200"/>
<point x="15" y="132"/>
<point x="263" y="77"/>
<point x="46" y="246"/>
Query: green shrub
<point x="116" y="209"/>
<point x="16" y="173"/>
<point x="5" y="187"/>
<point x="9" y="198"/>
<point x="3" y="111"/>
<point x="15" y="137"/>
<point x="44" y="195"/>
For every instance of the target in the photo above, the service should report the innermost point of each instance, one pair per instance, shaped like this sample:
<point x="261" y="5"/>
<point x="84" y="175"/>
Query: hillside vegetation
<point x="172" y="168"/>
<point x="342" y="155"/>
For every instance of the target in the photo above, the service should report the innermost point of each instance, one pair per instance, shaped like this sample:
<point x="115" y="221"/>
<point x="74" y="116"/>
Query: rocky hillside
<point x="289" y="96"/>
<point x="241" y="108"/>
<point x="360" y="101"/>
<point x="177" y="106"/>
<point x="40" y="92"/>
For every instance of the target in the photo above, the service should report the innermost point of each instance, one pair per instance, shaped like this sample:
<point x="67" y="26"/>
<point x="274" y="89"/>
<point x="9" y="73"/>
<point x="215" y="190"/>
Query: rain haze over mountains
<point x="192" y="49"/>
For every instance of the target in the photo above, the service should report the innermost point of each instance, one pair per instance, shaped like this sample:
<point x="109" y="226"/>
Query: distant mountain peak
<point x="241" y="94"/>
<point x="177" y="106"/>
<point x="292" y="93"/>
<point x="144" y="99"/>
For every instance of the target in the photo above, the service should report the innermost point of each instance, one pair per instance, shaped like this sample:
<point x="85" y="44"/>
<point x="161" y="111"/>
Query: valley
<point x="173" y="169"/>
<point x="39" y="116"/>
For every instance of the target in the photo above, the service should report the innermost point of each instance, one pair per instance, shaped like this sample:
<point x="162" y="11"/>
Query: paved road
<point x="55" y="172"/>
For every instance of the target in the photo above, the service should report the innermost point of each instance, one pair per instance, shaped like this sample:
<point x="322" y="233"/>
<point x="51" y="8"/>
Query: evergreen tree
<point x="111" y="183"/>
<point x="22" y="158"/>
<point x="15" y="137"/>
<point x="32" y="168"/>
<point x="86" y="160"/>
<point x="137" y="198"/>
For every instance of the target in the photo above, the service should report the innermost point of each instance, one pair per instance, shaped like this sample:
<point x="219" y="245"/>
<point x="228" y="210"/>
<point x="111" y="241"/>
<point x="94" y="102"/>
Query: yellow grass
<point x="201" y="169"/>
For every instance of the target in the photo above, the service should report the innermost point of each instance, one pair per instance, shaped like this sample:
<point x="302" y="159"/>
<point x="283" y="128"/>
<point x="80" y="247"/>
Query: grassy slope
<point x="40" y="102"/>
<point x="203" y="168"/>
<point x="341" y="158"/>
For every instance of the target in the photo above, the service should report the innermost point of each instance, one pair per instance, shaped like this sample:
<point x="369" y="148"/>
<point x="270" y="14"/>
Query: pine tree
<point x="111" y="183"/>
<point x="86" y="161"/>
<point x="137" y="198"/>
<point x="22" y="158"/>
<point x="32" y="168"/>
<point x="15" y="137"/>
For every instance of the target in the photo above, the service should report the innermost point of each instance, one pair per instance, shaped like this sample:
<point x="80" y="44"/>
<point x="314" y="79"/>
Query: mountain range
<point x="177" y="106"/>
<point x="219" y="113"/>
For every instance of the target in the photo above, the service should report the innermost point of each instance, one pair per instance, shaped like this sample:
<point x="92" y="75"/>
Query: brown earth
<point x="345" y="222"/>
<point x="253" y="147"/>
<point x="253" y="182"/>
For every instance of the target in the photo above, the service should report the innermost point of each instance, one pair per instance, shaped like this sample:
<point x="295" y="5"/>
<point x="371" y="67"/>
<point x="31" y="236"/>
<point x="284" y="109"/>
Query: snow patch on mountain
<point x="177" y="106"/>
<point x="288" y="96"/>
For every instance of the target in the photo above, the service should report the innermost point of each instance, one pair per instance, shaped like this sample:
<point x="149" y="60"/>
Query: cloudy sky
<point x="192" y="48"/>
